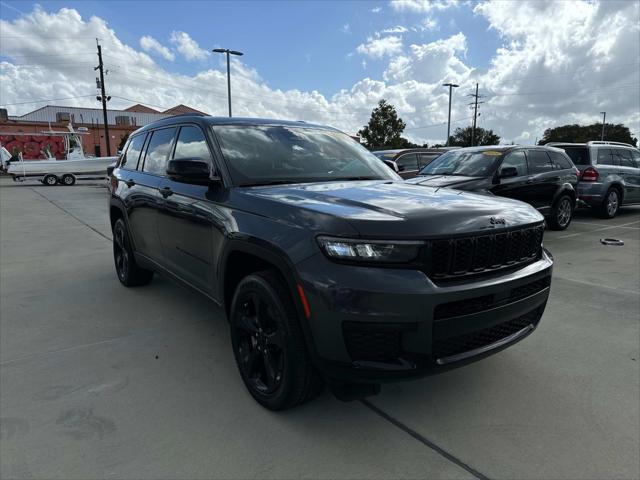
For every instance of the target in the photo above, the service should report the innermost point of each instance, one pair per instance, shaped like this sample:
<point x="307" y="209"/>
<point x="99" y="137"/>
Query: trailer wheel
<point x="68" y="180"/>
<point x="50" y="180"/>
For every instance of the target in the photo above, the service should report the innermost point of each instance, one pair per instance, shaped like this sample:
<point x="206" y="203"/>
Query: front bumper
<point x="378" y="324"/>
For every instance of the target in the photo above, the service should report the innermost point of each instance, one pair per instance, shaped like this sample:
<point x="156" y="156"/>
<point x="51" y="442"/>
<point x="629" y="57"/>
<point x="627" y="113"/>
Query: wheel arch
<point x="241" y="257"/>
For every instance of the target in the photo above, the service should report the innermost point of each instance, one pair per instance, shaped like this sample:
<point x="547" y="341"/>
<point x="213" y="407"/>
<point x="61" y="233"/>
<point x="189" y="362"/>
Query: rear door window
<point x="409" y="161"/>
<point x="155" y="160"/>
<point x="624" y="157"/>
<point x="132" y="153"/>
<point x="538" y="161"/>
<point x="559" y="161"/>
<point x="515" y="160"/>
<point x="606" y="157"/>
<point x="635" y="158"/>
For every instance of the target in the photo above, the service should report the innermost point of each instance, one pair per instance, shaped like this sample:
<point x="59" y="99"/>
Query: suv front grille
<point x="459" y="257"/>
<point x="447" y="347"/>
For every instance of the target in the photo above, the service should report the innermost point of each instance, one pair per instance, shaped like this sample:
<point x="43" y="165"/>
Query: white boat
<point x="50" y="171"/>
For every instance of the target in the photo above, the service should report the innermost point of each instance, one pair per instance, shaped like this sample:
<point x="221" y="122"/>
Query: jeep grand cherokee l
<point x="328" y="266"/>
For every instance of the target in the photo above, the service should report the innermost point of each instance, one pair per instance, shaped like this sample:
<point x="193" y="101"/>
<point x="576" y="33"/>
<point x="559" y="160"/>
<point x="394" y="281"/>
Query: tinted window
<point x="192" y="144"/>
<point x="461" y="162"/>
<point x="409" y="161"/>
<point x="515" y="160"/>
<point x="158" y="149"/>
<point x="132" y="153"/>
<point x="635" y="155"/>
<point x="624" y="157"/>
<point x="579" y="155"/>
<point x="538" y="161"/>
<point x="606" y="157"/>
<point x="427" y="158"/>
<point x="290" y="154"/>
<point x="560" y="162"/>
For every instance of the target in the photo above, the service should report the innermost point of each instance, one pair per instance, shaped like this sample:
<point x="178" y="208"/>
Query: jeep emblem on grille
<point x="497" y="221"/>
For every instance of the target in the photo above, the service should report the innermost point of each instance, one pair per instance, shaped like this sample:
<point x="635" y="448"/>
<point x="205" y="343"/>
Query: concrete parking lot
<point x="100" y="381"/>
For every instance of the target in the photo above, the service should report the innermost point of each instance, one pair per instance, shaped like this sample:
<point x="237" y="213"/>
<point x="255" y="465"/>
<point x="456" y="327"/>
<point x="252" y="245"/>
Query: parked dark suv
<point x="328" y="266"/>
<point x="541" y="176"/>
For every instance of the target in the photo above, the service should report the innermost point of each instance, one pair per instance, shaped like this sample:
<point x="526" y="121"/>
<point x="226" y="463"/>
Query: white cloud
<point x="376" y="9"/>
<point x="557" y="64"/>
<point x="423" y="6"/>
<point x="396" y="29"/>
<point x="150" y="44"/>
<point x="187" y="46"/>
<point x="380" y="47"/>
<point x="346" y="28"/>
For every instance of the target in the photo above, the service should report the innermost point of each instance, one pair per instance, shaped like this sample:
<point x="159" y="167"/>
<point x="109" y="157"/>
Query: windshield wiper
<point x="352" y="178"/>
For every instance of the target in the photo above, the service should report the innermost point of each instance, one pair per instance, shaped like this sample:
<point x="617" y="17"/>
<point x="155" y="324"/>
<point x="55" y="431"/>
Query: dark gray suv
<point x="610" y="174"/>
<point x="330" y="268"/>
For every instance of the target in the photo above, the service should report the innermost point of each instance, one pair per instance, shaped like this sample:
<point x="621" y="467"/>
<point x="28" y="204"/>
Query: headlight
<point x="378" y="251"/>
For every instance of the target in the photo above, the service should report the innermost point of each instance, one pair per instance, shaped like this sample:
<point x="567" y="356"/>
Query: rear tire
<point x="128" y="271"/>
<point x="269" y="345"/>
<point x="68" y="180"/>
<point x="610" y="205"/>
<point x="561" y="213"/>
<point x="50" y="180"/>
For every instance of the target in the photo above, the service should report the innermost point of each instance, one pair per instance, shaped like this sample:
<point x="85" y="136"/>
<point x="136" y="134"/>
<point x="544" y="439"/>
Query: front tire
<point x="128" y="271"/>
<point x="268" y="344"/>
<point x="610" y="205"/>
<point x="561" y="213"/>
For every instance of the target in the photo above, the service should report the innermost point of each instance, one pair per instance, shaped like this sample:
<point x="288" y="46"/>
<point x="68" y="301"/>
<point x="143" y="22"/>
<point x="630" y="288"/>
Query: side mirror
<point x="392" y="165"/>
<point x="189" y="170"/>
<point x="508" y="172"/>
<point x="401" y="168"/>
<point x="110" y="169"/>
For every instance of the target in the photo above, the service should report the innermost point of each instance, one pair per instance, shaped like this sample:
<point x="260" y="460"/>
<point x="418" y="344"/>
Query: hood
<point x="385" y="209"/>
<point x="454" y="181"/>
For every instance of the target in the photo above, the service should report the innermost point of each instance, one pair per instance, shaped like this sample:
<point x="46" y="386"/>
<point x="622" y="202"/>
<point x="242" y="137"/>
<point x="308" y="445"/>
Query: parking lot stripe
<point x="424" y="440"/>
<point x="600" y="229"/>
<point x="604" y="225"/>
<point x="71" y="214"/>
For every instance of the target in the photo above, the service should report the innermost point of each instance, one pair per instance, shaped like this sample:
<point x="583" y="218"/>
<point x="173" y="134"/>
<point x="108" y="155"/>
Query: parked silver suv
<point x="610" y="174"/>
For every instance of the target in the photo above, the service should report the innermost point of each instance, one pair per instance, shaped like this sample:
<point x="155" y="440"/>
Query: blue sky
<point x="538" y="63"/>
<point x="304" y="45"/>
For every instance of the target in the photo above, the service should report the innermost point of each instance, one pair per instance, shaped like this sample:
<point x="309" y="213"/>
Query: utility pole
<point x="104" y="99"/>
<point x="475" y="103"/>
<point x="451" y="87"/>
<point x="604" y="117"/>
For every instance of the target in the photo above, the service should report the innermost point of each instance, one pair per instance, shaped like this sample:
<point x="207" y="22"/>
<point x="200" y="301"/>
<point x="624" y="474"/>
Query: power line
<point x="45" y="100"/>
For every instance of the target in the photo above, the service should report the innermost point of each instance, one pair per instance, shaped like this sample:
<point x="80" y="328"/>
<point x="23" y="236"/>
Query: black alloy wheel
<point x="269" y="345"/>
<point x="129" y="273"/>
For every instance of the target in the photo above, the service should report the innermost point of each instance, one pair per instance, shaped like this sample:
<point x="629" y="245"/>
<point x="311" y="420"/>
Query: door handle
<point x="130" y="183"/>
<point x="166" y="192"/>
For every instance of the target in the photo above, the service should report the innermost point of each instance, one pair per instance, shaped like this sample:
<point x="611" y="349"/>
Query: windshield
<point x="289" y="154"/>
<point x="459" y="162"/>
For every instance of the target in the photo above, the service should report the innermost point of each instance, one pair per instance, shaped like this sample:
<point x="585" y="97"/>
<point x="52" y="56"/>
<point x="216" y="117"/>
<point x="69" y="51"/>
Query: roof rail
<point x="188" y="115"/>
<point x="601" y="142"/>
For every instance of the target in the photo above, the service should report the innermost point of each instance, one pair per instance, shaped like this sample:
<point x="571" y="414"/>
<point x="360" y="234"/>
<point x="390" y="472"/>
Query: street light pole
<point x="604" y="117"/>
<point x="228" y="52"/>
<point x="451" y="87"/>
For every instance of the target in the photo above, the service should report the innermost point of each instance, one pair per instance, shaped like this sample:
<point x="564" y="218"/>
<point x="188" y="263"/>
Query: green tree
<point x="462" y="137"/>
<point x="583" y="133"/>
<point x="384" y="128"/>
